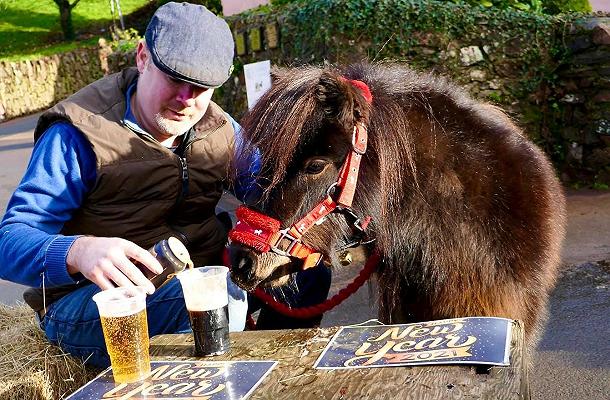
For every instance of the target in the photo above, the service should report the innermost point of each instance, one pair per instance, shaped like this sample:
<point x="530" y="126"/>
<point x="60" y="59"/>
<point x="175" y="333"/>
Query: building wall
<point x="600" y="5"/>
<point x="231" y="7"/>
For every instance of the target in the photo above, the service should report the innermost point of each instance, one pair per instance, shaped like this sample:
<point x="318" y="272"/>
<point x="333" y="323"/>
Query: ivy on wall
<point x="340" y="30"/>
<point x="523" y="48"/>
<point x="519" y="54"/>
<point x="536" y="6"/>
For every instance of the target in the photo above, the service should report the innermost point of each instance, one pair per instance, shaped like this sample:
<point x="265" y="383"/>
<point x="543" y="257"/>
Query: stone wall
<point x="33" y="85"/>
<point x="583" y="112"/>
<point x="553" y="79"/>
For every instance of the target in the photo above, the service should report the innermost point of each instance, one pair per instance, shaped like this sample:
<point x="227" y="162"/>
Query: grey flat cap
<point x="191" y="44"/>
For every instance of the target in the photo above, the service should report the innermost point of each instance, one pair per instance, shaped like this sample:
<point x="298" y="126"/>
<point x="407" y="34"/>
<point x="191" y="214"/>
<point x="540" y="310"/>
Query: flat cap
<point x="190" y="43"/>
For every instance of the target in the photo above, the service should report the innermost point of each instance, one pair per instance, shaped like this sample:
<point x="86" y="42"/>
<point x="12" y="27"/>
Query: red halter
<point x="263" y="233"/>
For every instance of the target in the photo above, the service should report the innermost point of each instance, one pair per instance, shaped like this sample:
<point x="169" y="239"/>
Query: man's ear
<point x="341" y="100"/>
<point x="142" y="56"/>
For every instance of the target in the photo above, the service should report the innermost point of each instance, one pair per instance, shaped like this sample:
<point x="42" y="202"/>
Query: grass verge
<point x="30" y="28"/>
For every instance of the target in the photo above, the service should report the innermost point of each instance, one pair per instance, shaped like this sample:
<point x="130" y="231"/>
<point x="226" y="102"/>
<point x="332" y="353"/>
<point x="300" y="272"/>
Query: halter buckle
<point x="284" y="235"/>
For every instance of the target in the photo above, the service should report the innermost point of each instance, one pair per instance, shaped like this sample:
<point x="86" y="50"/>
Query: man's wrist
<point x="55" y="261"/>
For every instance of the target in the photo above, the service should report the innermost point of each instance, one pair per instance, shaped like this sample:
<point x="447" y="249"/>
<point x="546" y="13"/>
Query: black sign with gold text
<point x="209" y="380"/>
<point x="472" y="340"/>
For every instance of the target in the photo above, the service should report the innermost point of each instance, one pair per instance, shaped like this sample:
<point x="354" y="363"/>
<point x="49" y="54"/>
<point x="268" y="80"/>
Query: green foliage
<point x="31" y="27"/>
<point x="394" y="28"/>
<point x="213" y="5"/>
<point x="523" y="5"/>
<point x="125" y="40"/>
<point x="278" y="3"/>
<point x="564" y="6"/>
<point x="5" y="4"/>
<point x="535" y="6"/>
<point x="496" y="97"/>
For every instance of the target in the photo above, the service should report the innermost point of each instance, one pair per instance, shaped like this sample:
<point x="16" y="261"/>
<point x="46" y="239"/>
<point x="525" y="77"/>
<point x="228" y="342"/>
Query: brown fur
<point x="468" y="213"/>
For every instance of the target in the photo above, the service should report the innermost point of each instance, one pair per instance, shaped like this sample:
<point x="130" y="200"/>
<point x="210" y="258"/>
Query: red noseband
<point x="263" y="234"/>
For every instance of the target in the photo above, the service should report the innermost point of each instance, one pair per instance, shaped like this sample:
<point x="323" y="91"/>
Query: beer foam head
<point x="204" y="288"/>
<point x="120" y="301"/>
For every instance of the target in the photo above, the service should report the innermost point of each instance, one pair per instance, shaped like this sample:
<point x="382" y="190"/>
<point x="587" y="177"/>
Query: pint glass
<point x="123" y="315"/>
<point x="207" y="299"/>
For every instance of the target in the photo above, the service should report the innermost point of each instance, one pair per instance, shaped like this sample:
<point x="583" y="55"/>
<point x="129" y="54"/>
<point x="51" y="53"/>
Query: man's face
<point x="166" y="106"/>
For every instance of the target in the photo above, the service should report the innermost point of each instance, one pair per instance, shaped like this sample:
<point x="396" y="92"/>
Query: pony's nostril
<point x="245" y="267"/>
<point x="242" y="263"/>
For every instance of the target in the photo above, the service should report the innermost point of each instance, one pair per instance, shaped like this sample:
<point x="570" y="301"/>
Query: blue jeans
<point x="73" y="322"/>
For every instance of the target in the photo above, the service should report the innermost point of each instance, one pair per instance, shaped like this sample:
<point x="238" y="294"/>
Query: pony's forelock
<point x="287" y="110"/>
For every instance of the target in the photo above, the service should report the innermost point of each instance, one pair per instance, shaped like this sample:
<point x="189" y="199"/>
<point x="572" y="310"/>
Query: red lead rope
<point x="312" y="311"/>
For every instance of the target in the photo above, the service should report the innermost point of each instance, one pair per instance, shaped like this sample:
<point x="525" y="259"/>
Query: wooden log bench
<point x="295" y="378"/>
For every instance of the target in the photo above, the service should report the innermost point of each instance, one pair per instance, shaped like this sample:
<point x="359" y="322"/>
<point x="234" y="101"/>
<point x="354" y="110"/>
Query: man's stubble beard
<point x="170" y="127"/>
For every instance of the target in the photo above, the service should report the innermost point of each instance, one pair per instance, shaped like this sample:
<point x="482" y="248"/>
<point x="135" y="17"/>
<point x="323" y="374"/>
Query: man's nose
<point x="185" y="94"/>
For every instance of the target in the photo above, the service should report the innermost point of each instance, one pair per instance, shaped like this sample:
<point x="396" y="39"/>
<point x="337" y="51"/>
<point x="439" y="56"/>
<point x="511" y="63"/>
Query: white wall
<point x="600" y="5"/>
<point x="230" y="7"/>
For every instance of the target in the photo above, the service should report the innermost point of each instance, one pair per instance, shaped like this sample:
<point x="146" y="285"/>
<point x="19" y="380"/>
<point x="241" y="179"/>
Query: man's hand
<point x="107" y="260"/>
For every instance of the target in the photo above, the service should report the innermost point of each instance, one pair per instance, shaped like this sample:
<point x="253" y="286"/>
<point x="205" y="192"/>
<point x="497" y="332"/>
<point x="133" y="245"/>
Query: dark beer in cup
<point x="210" y="331"/>
<point x="207" y="302"/>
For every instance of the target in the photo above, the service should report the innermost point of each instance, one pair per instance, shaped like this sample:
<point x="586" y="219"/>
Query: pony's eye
<point x="313" y="167"/>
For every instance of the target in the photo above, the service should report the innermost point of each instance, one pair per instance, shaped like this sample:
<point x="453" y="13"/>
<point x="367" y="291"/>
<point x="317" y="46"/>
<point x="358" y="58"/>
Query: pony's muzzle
<point x="242" y="266"/>
<point x="251" y="268"/>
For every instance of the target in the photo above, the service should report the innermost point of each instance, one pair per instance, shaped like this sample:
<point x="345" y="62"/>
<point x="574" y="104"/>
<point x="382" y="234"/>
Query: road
<point x="15" y="148"/>
<point x="573" y="357"/>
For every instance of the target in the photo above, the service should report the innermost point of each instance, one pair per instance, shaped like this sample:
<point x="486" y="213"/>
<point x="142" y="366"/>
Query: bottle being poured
<point x="173" y="257"/>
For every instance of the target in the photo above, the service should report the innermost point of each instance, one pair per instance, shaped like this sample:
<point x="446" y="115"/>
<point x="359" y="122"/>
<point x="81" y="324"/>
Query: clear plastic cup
<point x="123" y="316"/>
<point x="207" y="299"/>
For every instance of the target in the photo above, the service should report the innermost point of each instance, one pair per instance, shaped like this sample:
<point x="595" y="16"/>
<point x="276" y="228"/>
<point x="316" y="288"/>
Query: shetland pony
<point x="466" y="212"/>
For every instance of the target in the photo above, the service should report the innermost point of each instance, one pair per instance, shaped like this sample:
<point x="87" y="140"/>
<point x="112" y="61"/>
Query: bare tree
<point x="65" y="17"/>
<point x="118" y="8"/>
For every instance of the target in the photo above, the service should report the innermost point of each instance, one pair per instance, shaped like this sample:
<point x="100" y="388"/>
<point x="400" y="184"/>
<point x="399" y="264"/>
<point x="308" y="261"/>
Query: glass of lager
<point x="123" y="315"/>
<point x="207" y="299"/>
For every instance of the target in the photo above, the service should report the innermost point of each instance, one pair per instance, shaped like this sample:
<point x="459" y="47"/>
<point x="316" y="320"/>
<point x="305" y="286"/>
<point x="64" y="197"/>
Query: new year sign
<point x="473" y="340"/>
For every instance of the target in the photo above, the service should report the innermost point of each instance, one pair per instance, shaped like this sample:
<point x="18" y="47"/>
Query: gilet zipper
<point x="184" y="172"/>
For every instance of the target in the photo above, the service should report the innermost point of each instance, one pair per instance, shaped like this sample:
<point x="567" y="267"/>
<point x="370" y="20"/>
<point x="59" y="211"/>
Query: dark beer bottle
<point x="173" y="257"/>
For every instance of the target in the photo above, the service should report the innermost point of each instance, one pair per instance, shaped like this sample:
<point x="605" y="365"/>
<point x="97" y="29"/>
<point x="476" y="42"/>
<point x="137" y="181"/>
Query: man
<point x="131" y="159"/>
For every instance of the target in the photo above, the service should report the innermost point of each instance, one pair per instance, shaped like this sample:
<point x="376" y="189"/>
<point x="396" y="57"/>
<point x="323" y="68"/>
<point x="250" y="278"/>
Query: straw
<point x="30" y="366"/>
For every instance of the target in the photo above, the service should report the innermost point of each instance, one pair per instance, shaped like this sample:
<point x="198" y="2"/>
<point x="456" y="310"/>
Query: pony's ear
<point x="341" y="100"/>
<point x="277" y="73"/>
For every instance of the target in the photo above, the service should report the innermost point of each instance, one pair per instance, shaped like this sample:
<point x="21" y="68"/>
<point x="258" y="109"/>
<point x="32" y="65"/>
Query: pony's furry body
<point x="467" y="212"/>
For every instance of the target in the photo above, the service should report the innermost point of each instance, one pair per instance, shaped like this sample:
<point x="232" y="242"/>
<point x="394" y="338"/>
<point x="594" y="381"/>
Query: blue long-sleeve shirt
<point x="60" y="174"/>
